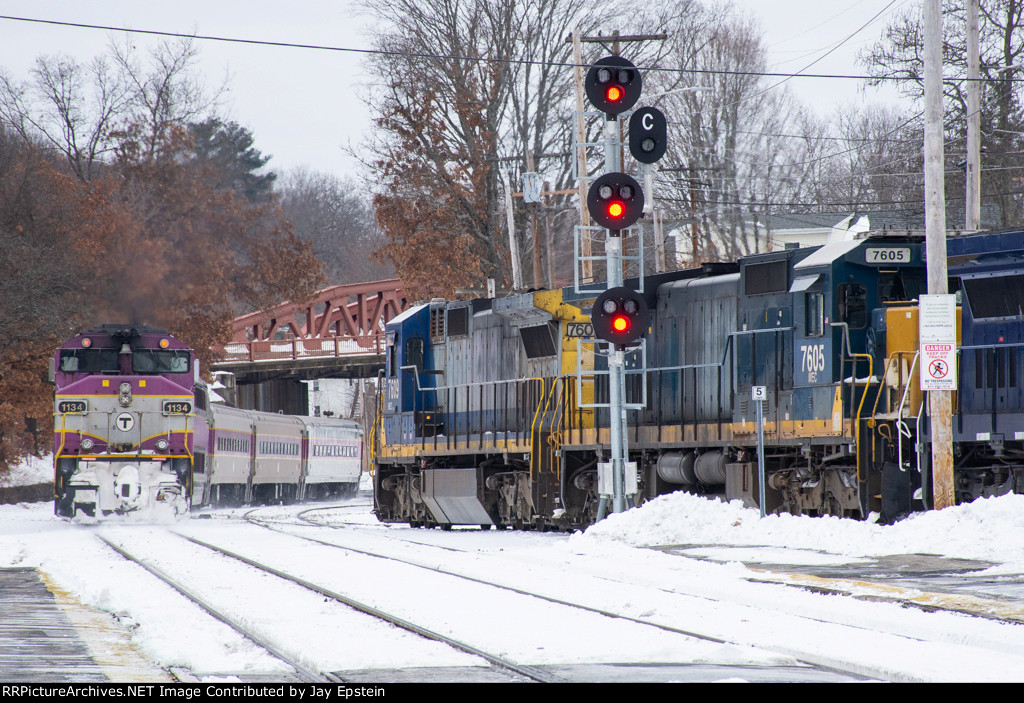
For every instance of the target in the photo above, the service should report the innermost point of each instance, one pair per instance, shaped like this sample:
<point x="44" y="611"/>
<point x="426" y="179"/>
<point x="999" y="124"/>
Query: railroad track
<point x="423" y="563"/>
<point x="301" y="672"/>
<point x="755" y="594"/>
<point x="933" y="594"/>
<point x="244" y="625"/>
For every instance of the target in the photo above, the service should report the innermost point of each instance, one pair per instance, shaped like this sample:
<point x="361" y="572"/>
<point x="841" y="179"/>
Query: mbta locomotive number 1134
<point x="177" y="407"/>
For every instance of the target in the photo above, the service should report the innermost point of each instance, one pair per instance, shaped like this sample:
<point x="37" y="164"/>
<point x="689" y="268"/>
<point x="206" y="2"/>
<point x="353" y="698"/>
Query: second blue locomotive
<point x="492" y="408"/>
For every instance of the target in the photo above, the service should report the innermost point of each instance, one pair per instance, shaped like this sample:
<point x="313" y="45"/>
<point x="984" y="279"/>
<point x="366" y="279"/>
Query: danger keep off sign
<point x="937" y="330"/>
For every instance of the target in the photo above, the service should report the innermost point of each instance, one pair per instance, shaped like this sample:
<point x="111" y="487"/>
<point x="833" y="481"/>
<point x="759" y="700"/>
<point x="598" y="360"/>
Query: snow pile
<point x="29" y="472"/>
<point x="989" y="529"/>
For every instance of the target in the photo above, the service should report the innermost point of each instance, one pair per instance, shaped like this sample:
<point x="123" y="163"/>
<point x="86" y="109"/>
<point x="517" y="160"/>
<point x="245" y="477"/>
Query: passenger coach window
<point x="815" y="314"/>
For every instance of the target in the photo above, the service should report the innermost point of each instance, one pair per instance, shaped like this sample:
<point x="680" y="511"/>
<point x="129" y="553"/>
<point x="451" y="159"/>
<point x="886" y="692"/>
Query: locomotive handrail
<point x="378" y="419"/>
<point x="906" y="391"/>
<point x="452" y="435"/>
<point x="545" y="401"/>
<point x="726" y="355"/>
<point x="846" y="347"/>
<point x="900" y="425"/>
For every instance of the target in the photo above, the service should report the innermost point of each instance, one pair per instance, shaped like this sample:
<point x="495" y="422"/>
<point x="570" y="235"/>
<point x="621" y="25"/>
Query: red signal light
<point x="620" y="323"/>
<point x="616" y="209"/>
<point x="614" y="93"/>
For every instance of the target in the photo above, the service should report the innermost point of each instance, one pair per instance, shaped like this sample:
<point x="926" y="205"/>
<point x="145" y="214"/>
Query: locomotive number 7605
<point x="812" y="360"/>
<point x="887" y="255"/>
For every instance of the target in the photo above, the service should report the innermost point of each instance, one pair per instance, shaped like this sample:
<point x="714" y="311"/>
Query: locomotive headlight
<point x="125" y="394"/>
<point x="87" y="444"/>
<point x="161" y="444"/>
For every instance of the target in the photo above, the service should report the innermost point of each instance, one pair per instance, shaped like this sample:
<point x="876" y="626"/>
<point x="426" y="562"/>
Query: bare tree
<point x="71" y="107"/>
<point x="166" y="91"/>
<point x="333" y="214"/>
<point x="898" y="54"/>
<point x="473" y="88"/>
<point x="88" y="111"/>
<point x="728" y="158"/>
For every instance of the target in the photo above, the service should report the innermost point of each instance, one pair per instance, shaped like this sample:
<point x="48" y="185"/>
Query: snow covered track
<point x="544" y="636"/>
<point x="301" y="672"/>
<point x="529" y="672"/>
<point x="269" y="610"/>
<point x="704" y="575"/>
<point x="877" y="640"/>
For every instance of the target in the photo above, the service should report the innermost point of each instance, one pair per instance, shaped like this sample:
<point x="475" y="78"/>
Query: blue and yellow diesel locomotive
<point x="491" y="409"/>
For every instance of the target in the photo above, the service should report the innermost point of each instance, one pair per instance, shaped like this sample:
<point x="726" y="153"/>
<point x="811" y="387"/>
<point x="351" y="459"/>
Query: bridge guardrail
<point x="302" y="348"/>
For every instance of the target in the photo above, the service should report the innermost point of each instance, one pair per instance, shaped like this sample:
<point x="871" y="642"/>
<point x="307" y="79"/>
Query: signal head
<point x="619" y="316"/>
<point x="648" y="135"/>
<point x="615" y="201"/>
<point x="613" y="85"/>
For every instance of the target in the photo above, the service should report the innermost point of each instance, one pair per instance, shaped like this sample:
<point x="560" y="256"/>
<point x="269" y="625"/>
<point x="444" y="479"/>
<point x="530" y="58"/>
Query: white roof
<point x="828" y="253"/>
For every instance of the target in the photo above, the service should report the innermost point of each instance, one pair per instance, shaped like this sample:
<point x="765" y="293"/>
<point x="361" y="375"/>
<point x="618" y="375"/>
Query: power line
<point x="841" y="203"/>
<point x="447" y="57"/>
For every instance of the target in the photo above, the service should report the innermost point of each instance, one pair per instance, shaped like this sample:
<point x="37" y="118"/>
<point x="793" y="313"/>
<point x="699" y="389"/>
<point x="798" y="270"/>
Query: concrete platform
<point x="46" y="636"/>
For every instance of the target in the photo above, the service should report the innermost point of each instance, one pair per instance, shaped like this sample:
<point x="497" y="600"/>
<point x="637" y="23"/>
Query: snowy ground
<point x="990" y="529"/>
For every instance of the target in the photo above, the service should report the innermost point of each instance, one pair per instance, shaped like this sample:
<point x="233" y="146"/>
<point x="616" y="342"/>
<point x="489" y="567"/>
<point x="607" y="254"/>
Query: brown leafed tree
<point x="55" y="237"/>
<point x="207" y="254"/>
<point x="440" y="110"/>
<point x="126" y="219"/>
<point x="434" y="234"/>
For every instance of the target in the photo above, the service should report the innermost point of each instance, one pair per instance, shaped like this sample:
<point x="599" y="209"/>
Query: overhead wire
<point x="428" y="55"/>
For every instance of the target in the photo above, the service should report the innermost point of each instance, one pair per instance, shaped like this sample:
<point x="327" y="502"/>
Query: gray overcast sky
<point x="304" y="105"/>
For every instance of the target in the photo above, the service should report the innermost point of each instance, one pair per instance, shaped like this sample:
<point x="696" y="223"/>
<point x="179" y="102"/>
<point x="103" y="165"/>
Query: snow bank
<point x="989" y="529"/>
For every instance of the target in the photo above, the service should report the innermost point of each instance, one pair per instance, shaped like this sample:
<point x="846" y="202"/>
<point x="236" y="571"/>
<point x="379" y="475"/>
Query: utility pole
<point x="533" y="211"/>
<point x="972" y="214"/>
<point x="939" y="402"/>
<point x="517" y="280"/>
<point x="581" y="155"/>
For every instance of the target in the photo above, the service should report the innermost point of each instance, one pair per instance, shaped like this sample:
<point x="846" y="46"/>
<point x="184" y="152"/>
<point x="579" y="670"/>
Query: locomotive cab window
<point x="392" y="360"/>
<point x="899" y="286"/>
<point x="160" y="361"/>
<point x="853" y="305"/>
<point x="88" y="361"/>
<point x="815" y="313"/>
<point x="414" y="352"/>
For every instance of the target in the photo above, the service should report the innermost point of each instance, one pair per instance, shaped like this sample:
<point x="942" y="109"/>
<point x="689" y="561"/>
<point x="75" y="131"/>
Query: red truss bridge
<point x="340" y="321"/>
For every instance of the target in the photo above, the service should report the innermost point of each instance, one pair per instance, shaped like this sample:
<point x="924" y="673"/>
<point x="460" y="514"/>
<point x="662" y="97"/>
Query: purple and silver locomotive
<point x="124" y="422"/>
